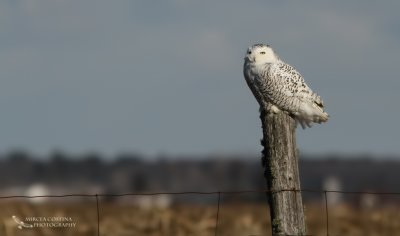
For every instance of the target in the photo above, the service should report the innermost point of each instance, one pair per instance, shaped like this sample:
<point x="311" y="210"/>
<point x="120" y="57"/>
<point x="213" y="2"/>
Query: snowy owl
<point x="279" y="87"/>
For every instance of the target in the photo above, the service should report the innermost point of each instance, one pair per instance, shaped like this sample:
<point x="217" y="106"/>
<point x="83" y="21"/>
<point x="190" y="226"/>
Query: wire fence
<point x="218" y="194"/>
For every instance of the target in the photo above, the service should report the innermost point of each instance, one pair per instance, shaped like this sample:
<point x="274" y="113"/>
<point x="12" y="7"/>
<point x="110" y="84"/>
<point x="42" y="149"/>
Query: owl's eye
<point x="248" y="52"/>
<point x="262" y="52"/>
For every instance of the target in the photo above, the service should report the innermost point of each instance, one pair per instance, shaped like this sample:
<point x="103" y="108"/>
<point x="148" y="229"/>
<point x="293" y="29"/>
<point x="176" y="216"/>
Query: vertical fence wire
<point x="327" y="212"/>
<point x="217" y="218"/>
<point x="98" y="215"/>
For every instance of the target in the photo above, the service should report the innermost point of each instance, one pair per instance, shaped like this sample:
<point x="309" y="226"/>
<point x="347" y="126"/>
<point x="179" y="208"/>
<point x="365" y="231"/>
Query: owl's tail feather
<point x="311" y="113"/>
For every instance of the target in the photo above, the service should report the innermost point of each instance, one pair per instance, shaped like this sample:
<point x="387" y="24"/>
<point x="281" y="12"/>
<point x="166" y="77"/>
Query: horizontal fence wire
<point x="197" y="193"/>
<point x="218" y="193"/>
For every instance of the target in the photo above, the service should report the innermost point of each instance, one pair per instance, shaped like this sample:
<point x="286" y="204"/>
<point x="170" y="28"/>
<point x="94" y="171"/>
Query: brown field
<point x="235" y="219"/>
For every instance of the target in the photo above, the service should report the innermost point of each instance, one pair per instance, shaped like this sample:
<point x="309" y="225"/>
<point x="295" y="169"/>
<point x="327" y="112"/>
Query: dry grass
<point x="235" y="219"/>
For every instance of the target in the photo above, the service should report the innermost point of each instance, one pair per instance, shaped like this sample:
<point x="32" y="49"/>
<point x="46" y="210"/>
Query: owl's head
<point x="260" y="54"/>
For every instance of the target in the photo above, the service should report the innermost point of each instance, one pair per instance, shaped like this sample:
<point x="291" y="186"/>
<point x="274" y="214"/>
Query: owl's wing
<point x="283" y="86"/>
<point x="294" y="83"/>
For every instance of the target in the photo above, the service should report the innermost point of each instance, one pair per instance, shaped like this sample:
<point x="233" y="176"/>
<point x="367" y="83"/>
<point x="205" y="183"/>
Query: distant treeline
<point x="133" y="173"/>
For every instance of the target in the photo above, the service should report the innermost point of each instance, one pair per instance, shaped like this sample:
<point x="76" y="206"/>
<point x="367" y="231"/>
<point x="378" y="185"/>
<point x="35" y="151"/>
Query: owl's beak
<point x="249" y="59"/>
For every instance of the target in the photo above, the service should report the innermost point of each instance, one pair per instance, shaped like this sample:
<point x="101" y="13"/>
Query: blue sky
<point x="166" y="76"/>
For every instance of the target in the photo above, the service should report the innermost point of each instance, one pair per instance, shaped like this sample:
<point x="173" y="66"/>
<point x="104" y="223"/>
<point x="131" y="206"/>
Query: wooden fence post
<point x="281" y="171"/>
